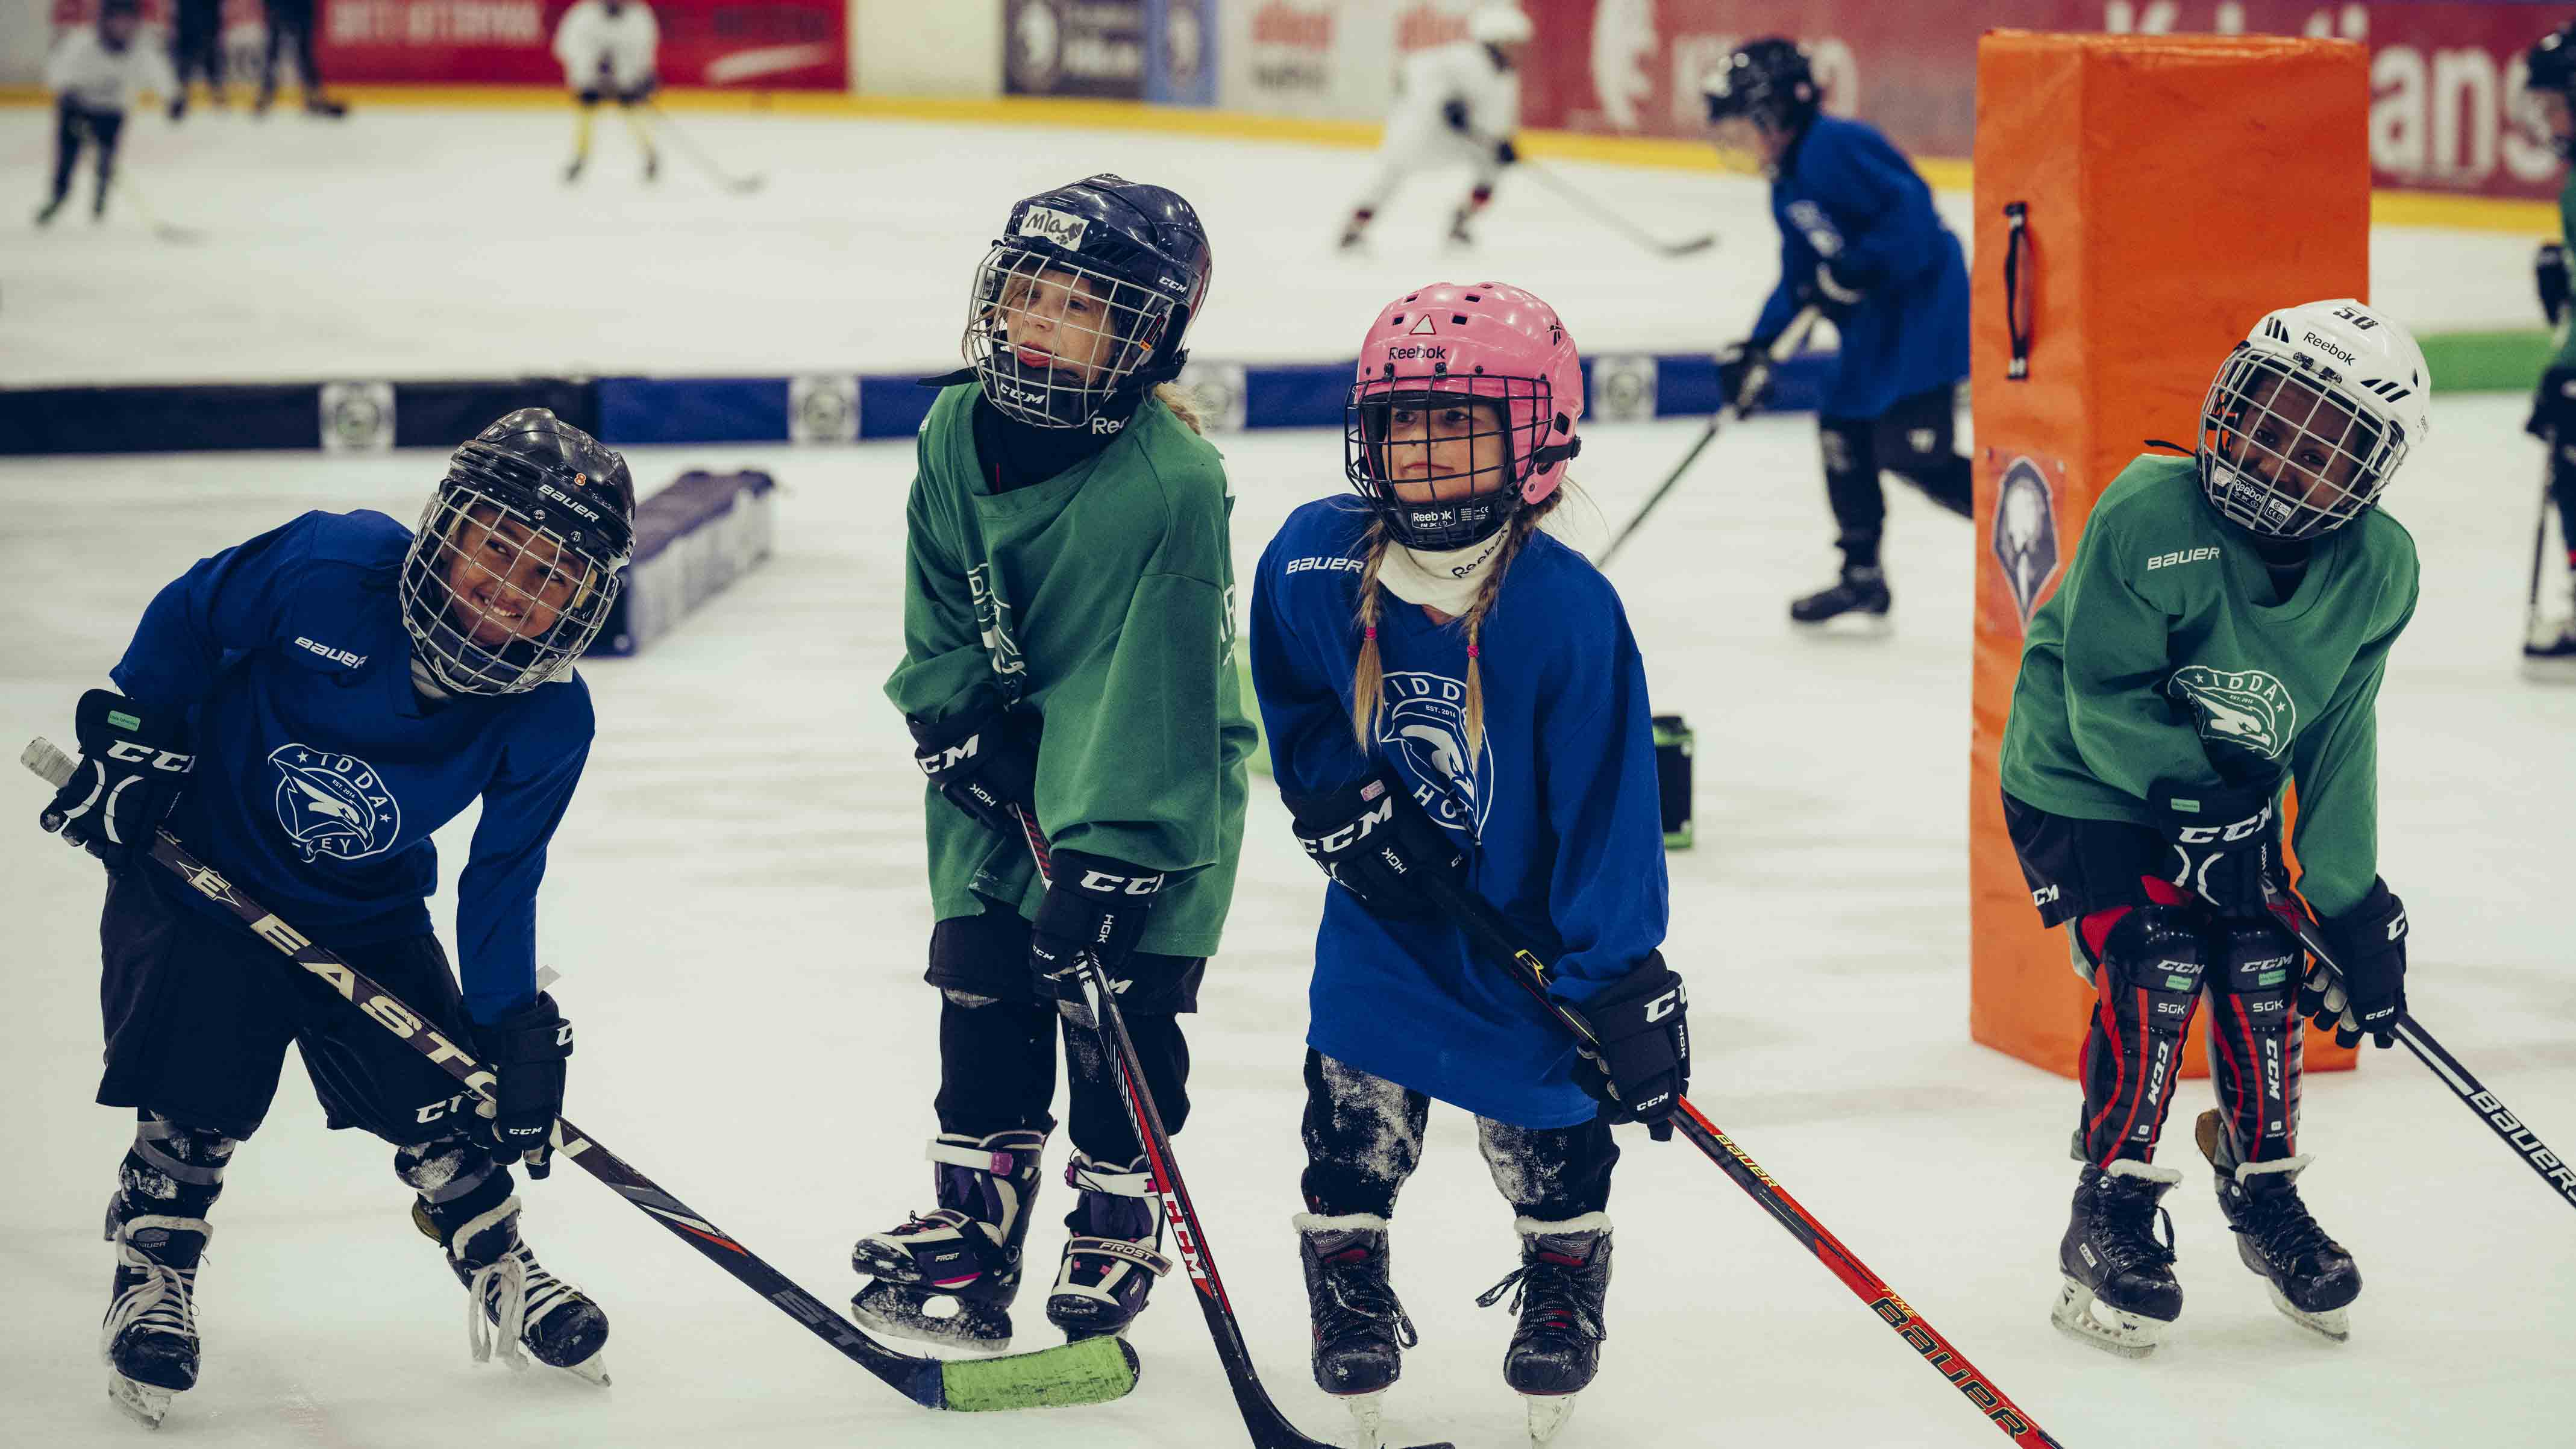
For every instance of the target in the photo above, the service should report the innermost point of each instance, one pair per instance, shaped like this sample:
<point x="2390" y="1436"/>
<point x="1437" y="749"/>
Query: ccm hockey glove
<point x="525" y="1049"/>
<point x="2225" y="840"/>
<point x="984" y="762"/>
<point x="132" y="765"/>
<point x="2369" y="943"/>
<point x="1744" y="375"/>
<point x="1642" y="1067"/>
<point x="1373" y="840"/>
<point x="1096" y="907"/>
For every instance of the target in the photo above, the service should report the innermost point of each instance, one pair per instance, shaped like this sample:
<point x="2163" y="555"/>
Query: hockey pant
<point x="1411" y="146"/>
<point x="196" y="44"/>
<point x="1364" y="1138"/>
<point x="290" y="18"/>
<point x="74" y="127"/>
<point x="1914" y="439"/>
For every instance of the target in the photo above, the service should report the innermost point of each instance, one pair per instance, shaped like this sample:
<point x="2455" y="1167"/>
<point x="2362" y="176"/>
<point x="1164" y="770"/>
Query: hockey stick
<point x="165" y="231"/>
<point x="1500" y="938"/>
<point x="1089" y="1372"/>
<point x="2526" y="1144"/>
<point x="1580" y="202"/>
<point x="1269" y="1428"/>
<point x="738" y="185"/>
<point x="2540" y="540"/>
<point x="1783" y="347"/>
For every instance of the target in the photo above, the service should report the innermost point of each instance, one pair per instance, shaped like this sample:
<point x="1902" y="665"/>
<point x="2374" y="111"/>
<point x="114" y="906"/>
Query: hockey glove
<point x="1096" y="907"/>
<point x="1744" y="375"/>
<point x="2549" y="271"/>
<point x="1832" y="293"/>
<point x="1505" y="153"/>
<point x="2369" y="944"/>
<point x="1642" y="1066"/>
<point x="2226" y="841"/>
<point x="133" y="763"/>
<point x="1454" y="112"/>
<point x="1372" y="839"/>
<point x="525" y="1049"/>
<point x="2553" y="405"/>
<point x="983" y="762"/>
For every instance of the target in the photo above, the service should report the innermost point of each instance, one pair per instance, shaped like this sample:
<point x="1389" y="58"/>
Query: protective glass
<point x="496" y="603"/>
<point x="2286" y="452"/>
<point x="1441" y="466"/>
<point x="1051" y="339"/>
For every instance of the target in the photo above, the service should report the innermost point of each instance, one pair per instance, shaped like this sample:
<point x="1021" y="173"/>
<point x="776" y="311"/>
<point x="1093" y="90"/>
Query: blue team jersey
<point x="1845" y="193"/>
<point x="321" y="773"/>
<point x="1559" y="813"/>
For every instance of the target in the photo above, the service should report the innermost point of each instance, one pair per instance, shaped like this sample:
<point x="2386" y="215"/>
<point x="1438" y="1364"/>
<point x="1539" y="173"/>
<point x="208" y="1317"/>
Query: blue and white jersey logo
<point x="1426" y="721"/>
<point x="332" y="804"/>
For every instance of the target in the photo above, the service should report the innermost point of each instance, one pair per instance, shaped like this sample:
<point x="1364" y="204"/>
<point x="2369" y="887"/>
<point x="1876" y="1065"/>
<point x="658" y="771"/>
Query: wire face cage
<point x="2286" y="452"/>
<point x="1441" y="459"/>
<point x="1051" y="339"/>
<point x="496" y="601"/>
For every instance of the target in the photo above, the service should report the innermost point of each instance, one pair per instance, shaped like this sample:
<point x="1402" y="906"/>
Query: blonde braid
<point x="1368" y="676"/>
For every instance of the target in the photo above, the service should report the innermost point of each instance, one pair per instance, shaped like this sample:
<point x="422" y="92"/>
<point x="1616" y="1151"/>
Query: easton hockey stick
<point x="1090" y="1372"/>
<point x="1500" y="938"/>
<point x="1783" y="347"/>
<point x="2526" y="1144"/>
<point x="1269" y="1428"/>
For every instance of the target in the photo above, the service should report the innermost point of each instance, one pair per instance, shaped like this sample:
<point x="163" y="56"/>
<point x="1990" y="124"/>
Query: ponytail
<point x="1183" y="406"/>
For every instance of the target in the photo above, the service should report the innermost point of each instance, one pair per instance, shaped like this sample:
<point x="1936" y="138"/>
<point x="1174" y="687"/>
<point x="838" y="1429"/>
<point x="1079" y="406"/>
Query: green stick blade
<point x="1093" y="1371"/>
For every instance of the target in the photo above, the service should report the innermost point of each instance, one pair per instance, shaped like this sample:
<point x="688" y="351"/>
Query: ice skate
<point x="572" y="172"/>
<point x="948" y="1276"/>
<point x="1859" y="599"/>
<point x="2549" y="655"/>
<point x="149" y="1337"/>
<point x="1558" y="1291"/>
<point x="652" y="166"/>
<point x="2311" y="1278"/>
<point x="325" y="107"/>
<point x="1361" y="1330"/>
<point x="2119" y="1291"/>
<point x="513" y="1306"/>
<point x="1459" y="235"/>
<point x="1114" y="1255"/>
<point x="46" y="213"/>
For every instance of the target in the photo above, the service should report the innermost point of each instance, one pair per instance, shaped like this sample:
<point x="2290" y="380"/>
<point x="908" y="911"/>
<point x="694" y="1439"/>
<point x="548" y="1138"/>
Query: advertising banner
<point x="1331" y="58"/>
<point x="1074" y="48"/>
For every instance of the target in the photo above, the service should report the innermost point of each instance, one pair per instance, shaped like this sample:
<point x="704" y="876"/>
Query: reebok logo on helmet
<point x="2327" y="347"/>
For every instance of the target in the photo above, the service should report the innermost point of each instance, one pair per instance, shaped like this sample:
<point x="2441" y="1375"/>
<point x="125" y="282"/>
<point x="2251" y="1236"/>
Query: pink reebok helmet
<point x="1456" y="345"/>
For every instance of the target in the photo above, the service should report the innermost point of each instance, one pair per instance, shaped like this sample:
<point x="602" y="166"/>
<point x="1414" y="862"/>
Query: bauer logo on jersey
<point x="2025" y="537"/>
<point x="1048" y="224"/>
<point x="332" y="804"/>
<point x="1426" y="720"/>
<point x="2243" y="707"/>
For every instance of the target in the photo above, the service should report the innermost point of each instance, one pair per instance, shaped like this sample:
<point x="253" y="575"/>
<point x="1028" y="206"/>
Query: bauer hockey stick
<point x="738" y="185"/>
<point x="1269" y="1428"/>
<point x="1090" y="1372"/>
<point x="1500" y="938"/>
<point x="1783" y="347"/>
<point x="2526" y="1144"/>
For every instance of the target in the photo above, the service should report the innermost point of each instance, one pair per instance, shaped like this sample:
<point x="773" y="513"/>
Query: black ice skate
<point x="2119" y="1293"/>
<point x="572" y="173"/>
<point x="149" y="1337"/>
<point x="511" y="1302"/>
<point x="1859" y="596"/>
<point x="325" y="107"/>
<point x="1361" y="1331"/>
<point x="1558" y="1291"/>
<point x="1459" y="235"/>
<point x="45" y="214"/>
<point x="2311" y="1277"/>
<point x="1114" y="1255"/>
<point x="2549" y="656"/>
<point x="948" y="1276"/>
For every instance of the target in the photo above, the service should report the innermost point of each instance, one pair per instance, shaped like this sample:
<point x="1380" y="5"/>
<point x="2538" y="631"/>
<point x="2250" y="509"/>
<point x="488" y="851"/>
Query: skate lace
<point x="162" y="1300"/>
<point x="1359" y="1300"/>
<point x="2131" y="1241"/>
<point x="496" y="1309"/>
<point x="1547" y="1294"/>
<point x="2281" y="1227"/>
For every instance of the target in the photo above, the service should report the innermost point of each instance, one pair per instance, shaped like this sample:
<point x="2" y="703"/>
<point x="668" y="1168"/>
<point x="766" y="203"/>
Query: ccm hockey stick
<point x="1783" y="347"/>
<point x="1089" y="1372"/>
<point x="2526" y="1144"/>
<point x="1501" y="939"/>
<point x="1269" y="1428"/>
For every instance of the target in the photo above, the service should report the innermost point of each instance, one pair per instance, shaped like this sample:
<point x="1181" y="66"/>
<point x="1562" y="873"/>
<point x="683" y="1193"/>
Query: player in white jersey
<point x="1454" y="104"/>
<point x="94" y="73"/>
<point x="609" y="50"/>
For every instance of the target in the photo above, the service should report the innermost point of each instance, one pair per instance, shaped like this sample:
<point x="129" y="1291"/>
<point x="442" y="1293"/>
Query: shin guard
<point x="2146" y="987"/>
<point x="2255" y="1040"/>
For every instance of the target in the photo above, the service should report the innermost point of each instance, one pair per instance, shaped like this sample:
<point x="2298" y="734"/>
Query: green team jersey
<point x="2165" y="658"/>
<point x="1103" y="599"/>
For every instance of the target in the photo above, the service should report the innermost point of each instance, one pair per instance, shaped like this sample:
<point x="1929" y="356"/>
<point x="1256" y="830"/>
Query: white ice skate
<point x="2130" y="1335"/>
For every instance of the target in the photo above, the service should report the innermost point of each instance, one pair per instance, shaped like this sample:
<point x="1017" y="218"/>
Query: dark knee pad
<point x="172" y="1169"/>
<point x="2146" y="986"/>
<point x="2254" y="1036"/>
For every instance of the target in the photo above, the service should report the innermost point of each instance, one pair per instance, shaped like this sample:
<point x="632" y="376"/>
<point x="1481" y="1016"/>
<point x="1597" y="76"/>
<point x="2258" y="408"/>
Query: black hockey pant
<point x="75" y="127"/>
<point x="196" y="44"/>
<point x="291" y="18"/>
<point x="1364" y="1138"/>
<point x="1914" y="439"/>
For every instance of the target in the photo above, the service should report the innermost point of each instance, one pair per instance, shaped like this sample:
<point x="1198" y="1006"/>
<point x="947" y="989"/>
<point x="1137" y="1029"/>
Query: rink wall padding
<point x="692" y="540"/>
<point x="2134" y="277"/>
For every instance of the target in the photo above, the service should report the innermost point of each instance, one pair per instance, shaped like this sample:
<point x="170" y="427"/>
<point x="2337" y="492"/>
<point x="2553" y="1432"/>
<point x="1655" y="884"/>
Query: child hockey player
<point x="2549" y="649"/>
<point x="610" y="50"/>
<point x="2224" y="624"/>
<point x="1448" y="689"/>
<point x="1454" y="104"/>
<point x="1068" y="654"/>
<point x="304" y="709"/>
<point x="1860" y="242"/>
<point x="94" y="74"/>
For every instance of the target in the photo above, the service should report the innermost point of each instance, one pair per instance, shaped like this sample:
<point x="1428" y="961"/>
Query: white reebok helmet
<point x="1498" y="25"/>
<point x="2310" y="417"/>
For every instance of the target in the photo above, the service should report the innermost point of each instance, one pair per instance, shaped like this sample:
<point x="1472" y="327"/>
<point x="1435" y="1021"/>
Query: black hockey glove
<point x="2226" y="842"/>
<point x="2369" y="944"/>
<point x="2549" y="272"/>
<point x="983" y="762"/>
<point x="1744" y="375"/>
<point x="640" y="92"/>
<point x="2553" y="405"/>
<point x="1832" y="292"/>
<point x="1372" y="838"/>
<point x="133" y="763"/>
<point x="1643" y="1064"/>
<point x="1454" y="111"/>
<point x="525" y="1050"/>
<point x="1505" y="153"/>
<point x="1095" y="907"/>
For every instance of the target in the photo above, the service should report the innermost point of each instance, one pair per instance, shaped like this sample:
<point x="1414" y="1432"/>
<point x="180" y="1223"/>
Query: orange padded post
<point x="2170" y="189"/>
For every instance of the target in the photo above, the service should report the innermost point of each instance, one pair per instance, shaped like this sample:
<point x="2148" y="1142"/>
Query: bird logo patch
<point x="1426" y="722"/>
<point x="2025" y="534"/>
<point x="333" y="804"/>
<point x="2246" y="708"/>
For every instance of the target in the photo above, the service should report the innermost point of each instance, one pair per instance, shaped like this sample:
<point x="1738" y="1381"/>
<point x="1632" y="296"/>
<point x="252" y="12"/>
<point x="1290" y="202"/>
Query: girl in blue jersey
<point x="302" y="711"/>
<point x="1446" y="688"/>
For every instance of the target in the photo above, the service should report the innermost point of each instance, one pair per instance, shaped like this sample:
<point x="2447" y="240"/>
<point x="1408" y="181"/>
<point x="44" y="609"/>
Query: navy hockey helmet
<point x="1086" y="300"/>
<point x="1768" y="81"/>
<point x="2550" y="64"/>
<point x="518" y="556"/>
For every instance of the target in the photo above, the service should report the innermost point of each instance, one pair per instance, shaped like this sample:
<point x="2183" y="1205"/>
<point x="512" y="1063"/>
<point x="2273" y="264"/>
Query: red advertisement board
<point x="2446" y="108"/>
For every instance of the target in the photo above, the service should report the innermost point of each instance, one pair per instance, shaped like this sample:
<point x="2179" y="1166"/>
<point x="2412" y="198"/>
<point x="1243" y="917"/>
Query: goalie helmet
<point x="2310" y="416"/>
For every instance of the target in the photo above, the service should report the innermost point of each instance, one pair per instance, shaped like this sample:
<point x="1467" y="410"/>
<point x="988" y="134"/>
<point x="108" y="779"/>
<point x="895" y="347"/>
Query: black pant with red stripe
<point x="2151" y="952"/>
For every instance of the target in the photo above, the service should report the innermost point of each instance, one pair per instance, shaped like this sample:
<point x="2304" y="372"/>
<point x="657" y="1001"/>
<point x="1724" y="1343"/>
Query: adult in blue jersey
<point x="302" y="710"/>
<point x="1861" y="244"/>
<point x="1448" y="689"/>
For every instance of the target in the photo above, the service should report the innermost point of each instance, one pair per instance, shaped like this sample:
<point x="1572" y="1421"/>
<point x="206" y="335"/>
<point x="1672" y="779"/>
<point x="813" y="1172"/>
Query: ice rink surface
<point x="737" y="905"/>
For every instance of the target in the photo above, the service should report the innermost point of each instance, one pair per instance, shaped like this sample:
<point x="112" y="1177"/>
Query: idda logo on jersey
<point x="1426" y="718"/>
<point x="2243" y="707"/>
<point x="332" y="804"/>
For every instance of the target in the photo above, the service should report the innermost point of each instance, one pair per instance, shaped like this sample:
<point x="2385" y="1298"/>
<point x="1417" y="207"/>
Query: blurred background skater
<point x="1860" y="242"/>
<point x="1454" y="104"/>
<point x="94" y="73"/>
<point x="609" y="50"/>
<point x="197" y="47"/>
<point x="293" y="18"/>
<point x="2549" y="648"/>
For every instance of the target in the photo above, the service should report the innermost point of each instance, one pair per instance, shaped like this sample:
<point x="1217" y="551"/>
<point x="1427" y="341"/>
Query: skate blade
<point x="905" y="1312"/>
<point x="1854" y="625"/>
<point x="592" y="1370"/>
<point x="1368" y="1414"/>
<point x="1547" y="1416"/>
<point x="2549" y="670"/>
<point x="2334" y="1323"/>
<point x="2129" y="1335"/>
<point x="146" y="1404"/>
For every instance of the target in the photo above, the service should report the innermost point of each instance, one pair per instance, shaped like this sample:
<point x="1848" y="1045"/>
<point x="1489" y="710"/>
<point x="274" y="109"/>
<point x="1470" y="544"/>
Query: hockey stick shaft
<point x="1582" y="202"/>
<point x="2540" y="536"/>
<point x="2503" y="1121"/>
<point x="1070" y="1374"/>
<point x="698" y="155"/>
<point x="1783" y="347"/>
<point x="1499" y="938"/>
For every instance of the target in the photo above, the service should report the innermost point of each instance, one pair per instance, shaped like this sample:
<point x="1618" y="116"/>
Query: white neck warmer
<point x="1447" y="581"/>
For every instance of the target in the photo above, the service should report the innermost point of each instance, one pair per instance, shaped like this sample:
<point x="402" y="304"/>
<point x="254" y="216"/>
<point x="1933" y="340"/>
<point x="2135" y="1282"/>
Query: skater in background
<point x="610" y="50"/>
<point x="1448" y="689"/>
<point x="1455" y="104"/>
<point x="1068" y="661"/>
<point x="94" y="73"/>
<point x="2223" y="627"/>
<point x="197" y="48"/>
<point x="290" y="22"/>
<point x="302" y="711"/>
<point x="2549" y="648"/>
<point x="1861" y="243"/>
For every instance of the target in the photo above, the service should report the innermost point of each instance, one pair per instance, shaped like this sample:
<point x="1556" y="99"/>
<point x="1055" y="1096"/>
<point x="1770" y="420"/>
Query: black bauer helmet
<point x="1086" y="300"/>
<point x="1767" y="81"/>
<point x="518" y="556"/>
<point x="2551" y="63"/>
